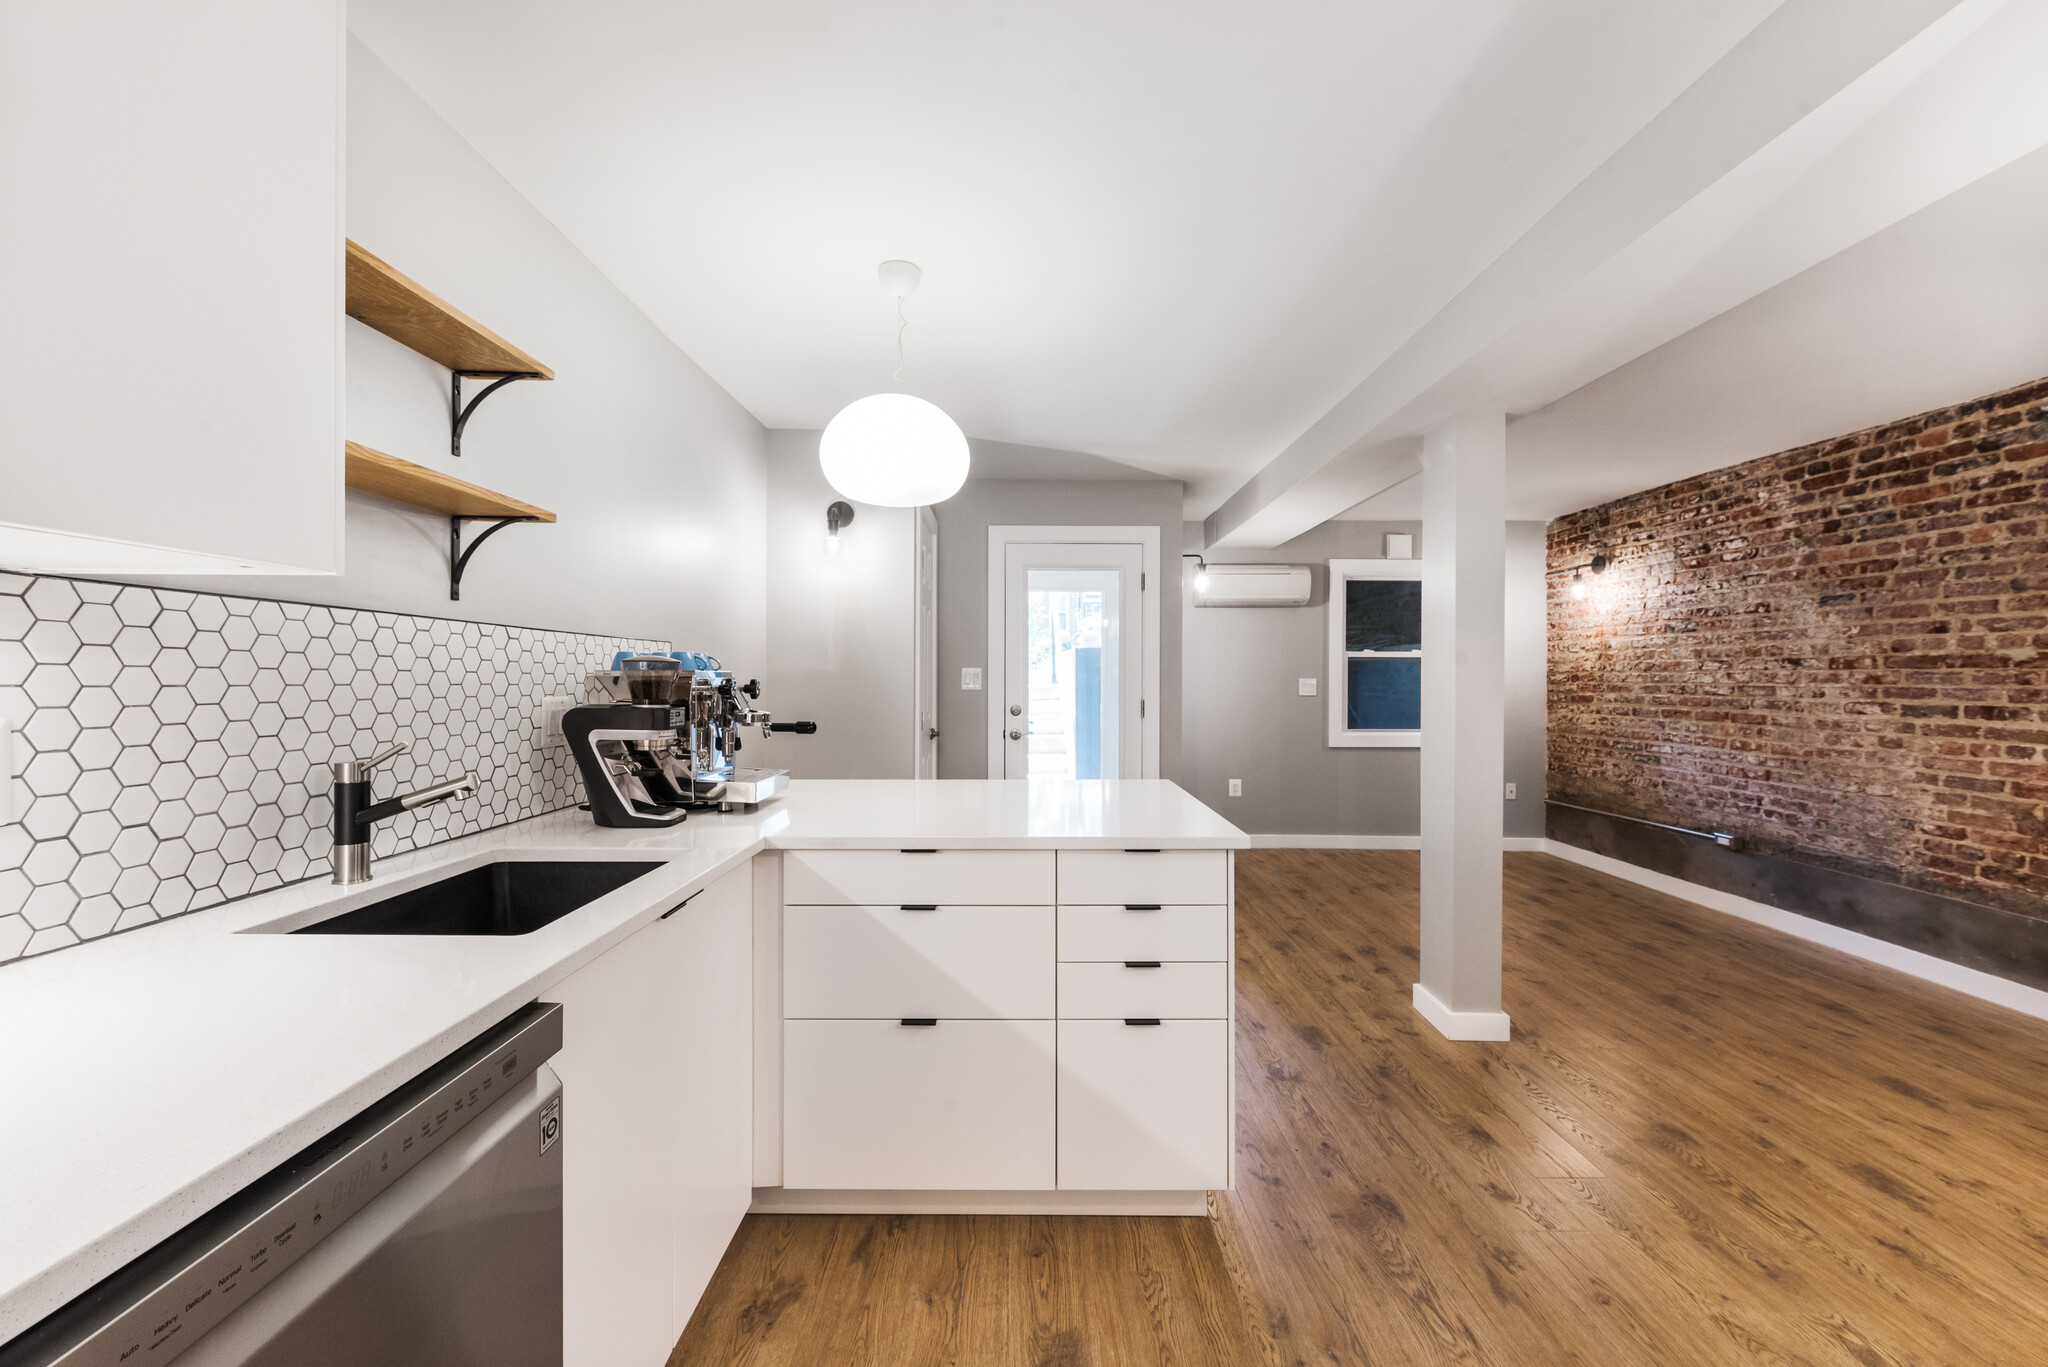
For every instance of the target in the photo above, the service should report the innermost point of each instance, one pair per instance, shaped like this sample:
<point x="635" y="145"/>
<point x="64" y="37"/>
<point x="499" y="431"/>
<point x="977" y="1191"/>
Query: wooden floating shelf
<point x="407" y="312"/>
<point x="373" y="472"/>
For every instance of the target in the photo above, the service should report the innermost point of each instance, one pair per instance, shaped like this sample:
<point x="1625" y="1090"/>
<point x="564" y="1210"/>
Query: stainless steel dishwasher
<point x="426" y="1230"/>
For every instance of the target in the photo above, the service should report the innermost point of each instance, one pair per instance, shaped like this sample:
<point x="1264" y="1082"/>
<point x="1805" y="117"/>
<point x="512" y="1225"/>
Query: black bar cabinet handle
<point x="1141" y="1020"/>
<point x="920" y="1020"/>
<point x="1143" y="851"/>
<point x="1141" y="963"/>
<point x="1142" y="906"/>
<point x="917" y="851"/>
<point x="919" y="906"/>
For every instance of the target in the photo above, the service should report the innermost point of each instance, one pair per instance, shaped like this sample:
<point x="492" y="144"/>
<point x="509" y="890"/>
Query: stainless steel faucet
<point x="355" y="814"/>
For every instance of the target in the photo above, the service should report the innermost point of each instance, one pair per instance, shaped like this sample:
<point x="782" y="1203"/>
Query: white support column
<point x="1464" y="548"/>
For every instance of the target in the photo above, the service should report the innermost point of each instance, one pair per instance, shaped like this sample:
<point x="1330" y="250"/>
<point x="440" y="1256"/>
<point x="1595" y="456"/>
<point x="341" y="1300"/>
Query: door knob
<point x="932" y="734"/>
<point x="1016" y="735"/>
<point x="1016" y="709"/>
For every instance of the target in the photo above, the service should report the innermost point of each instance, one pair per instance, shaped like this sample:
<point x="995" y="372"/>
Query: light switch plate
<point x="1305" y="688"/>
<point x="551" y="710"/>
<point x="970" y="680"/>
<point x="1237" y="787"/>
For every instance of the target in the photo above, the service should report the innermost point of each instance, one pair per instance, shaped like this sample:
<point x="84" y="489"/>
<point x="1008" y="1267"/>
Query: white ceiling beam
<point x="1804" y="55"/>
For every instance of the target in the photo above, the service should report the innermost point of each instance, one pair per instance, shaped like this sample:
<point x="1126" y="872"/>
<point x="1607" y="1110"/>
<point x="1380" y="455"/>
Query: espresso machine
<point x="658" y="735"/>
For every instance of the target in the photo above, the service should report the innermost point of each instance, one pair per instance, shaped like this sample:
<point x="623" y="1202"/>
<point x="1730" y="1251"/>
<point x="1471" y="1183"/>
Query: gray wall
<point x="657" y="474"/>
<point x="1243" y="718"/>
<point x="964" y="521"/>
<point x="840" y="627"/>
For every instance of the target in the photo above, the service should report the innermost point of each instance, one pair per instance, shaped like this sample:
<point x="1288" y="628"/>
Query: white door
<point x="1073" y="660"/>
<point x="926" y="742"/>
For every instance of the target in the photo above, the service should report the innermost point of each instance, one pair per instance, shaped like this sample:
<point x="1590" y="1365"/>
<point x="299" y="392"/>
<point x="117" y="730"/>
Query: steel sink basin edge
<point x="341" y="903"/>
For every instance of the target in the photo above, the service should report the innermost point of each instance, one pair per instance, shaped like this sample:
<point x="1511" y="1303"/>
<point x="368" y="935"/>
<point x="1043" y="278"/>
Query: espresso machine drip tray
<point x="747" y="787"/>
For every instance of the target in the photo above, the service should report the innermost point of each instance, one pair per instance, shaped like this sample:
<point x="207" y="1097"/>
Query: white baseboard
<point x="1375" y="842"/>
<point x="2031" y="1001"/>
<point x="1460" y="1025"/>
<point x="783" y="1201"/>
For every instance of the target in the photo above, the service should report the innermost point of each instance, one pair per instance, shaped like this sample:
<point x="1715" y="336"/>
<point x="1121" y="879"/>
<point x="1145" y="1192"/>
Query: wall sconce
<point x="1580" y="585"/>
<point x="836" y="516"/>
<point x="1201" y="571"/>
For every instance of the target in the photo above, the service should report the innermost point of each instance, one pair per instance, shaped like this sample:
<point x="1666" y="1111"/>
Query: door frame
<point x="924" y="682"/>
<point x="1000" y="539"/>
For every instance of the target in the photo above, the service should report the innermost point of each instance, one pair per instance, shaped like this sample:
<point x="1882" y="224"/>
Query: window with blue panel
<point x="1383" y="667"/>
<point x="1383" y="694"/>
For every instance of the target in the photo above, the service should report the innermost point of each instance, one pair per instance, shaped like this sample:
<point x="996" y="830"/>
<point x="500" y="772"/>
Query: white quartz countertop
<point x="149" y="1075"/>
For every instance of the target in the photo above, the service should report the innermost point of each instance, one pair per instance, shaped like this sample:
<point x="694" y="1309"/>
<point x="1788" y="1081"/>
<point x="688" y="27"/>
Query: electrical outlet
<point x="970" y="680"/>
<point x="1237" y="787"/>
<point x="1511" y="792"/>
<point x="1305" y="688"/>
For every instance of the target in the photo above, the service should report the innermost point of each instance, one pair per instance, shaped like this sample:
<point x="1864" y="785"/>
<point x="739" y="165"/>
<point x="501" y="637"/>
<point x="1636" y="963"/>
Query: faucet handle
<point x="356" y="771"/>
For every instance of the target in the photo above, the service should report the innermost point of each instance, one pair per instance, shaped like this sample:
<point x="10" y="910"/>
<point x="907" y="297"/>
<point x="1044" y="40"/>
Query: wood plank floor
<point x="1707" y="1143"/>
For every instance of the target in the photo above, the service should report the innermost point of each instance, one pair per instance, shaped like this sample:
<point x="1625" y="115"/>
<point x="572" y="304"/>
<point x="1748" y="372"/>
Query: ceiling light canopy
<point x="894" y="450"/>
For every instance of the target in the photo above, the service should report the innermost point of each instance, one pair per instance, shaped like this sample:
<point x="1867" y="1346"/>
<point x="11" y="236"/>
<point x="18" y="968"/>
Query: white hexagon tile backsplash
<point x="171" y="748"/>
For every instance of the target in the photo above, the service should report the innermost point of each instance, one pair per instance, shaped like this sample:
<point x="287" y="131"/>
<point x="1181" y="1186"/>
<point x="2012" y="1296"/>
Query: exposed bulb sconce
<point x="1201" y="571"/>
<point x="1580" y="586"/>
<point x="836" y="516"/>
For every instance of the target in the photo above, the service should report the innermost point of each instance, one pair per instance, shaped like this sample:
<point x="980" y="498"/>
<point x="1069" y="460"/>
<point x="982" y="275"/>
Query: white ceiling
<point x="1189" y="236"/>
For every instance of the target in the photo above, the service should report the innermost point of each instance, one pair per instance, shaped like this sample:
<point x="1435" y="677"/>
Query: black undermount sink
<point x="510" y="897"/>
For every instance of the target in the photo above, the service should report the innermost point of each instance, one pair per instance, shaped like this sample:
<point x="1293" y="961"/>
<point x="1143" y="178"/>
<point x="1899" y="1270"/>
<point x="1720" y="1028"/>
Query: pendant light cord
<point x="901" y="323"/>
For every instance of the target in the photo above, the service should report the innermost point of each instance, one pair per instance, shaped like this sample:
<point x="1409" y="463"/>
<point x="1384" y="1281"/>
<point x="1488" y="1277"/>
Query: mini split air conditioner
<point x="1255" y="586"/>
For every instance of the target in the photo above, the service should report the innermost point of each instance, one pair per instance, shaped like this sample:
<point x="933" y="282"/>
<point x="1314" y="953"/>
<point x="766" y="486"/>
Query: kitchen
<point x="531" y="835"/>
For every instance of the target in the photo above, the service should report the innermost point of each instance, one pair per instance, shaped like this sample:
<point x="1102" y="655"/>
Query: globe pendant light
<point x="894" y="450"/>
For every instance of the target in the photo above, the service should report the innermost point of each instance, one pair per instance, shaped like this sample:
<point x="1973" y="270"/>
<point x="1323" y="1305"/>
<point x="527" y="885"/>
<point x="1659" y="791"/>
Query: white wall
<point x="841" y="628"/>
<point x="658" y="475"/>
<point x="1243" y="718"/>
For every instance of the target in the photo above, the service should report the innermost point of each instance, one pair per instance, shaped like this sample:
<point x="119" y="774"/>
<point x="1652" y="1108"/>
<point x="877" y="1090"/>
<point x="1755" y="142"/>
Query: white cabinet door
<point x="171" y="286"/>
<point x="1159" y="990"/>
<point x="891" y="962"/>
<point x="953" y="877"/>
<point x="961" y="1105"/>
<point x="1144" y="877"/>
<point x="712" y="1150"/>
<point x="1164" y="933"/>
<point x="656" y="1126"/>
<point x="1144" y="1107"/>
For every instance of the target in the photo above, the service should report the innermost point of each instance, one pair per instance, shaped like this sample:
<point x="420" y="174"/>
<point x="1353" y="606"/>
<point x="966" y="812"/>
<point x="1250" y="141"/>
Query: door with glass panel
<point x="1073" y="661"/>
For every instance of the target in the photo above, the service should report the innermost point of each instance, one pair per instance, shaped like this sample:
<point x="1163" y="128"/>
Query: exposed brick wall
<point x="1839" y="651"/>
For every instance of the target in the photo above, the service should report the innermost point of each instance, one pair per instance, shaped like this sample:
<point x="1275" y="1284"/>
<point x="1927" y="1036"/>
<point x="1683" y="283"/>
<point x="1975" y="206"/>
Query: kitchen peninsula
<point x="873" y="995"/>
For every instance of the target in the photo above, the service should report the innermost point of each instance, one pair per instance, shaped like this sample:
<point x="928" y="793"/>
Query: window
<point x="1375" y="681"/>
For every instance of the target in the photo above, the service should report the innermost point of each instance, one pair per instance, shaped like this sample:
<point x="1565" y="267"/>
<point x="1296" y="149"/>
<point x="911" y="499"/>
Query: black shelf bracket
<point x="459" y="416"/>
<point x="458" y="557"/>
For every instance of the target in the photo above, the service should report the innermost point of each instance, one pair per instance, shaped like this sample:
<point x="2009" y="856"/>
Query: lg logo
<point x="550" y="1124"/>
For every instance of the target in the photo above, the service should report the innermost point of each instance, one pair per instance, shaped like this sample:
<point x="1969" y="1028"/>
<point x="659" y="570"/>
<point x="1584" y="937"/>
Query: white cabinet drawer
<point x="1167" y="933"/>
<point x="849" y="962"/>
<point x="1117" y="991"/>
<point x="1144" y="1107"/>
<point x="956" y="1106"/>
<point x="892" y="877"/>
<point x="1156" y="877"/>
